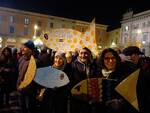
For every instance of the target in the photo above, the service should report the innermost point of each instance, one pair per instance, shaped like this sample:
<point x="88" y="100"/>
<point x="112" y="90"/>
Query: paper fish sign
<point x="127" y="88"/>
<point x="62" y="39"/>
<point x="29" y="75"/>
<point x="50" y="77"/>
<point x="93" y="89"/>
<point x="88" y="90"/>
<point x="68" y="39"/>
<point x="89" y="38"/>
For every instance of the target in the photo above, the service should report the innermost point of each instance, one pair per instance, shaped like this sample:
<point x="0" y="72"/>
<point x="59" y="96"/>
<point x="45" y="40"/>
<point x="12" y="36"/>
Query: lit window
<point x="26" y="21"/>
<point x="39" y="23"/>
<point x="148" y="24"/>
<point x="12" y="18"/>
<point x="135" y="26"/>
<point x="125" y="37"/>
<point x="126" y="28"/>
<point x="26" y="30"/>
<point x="11" y="29"/>
<point x="139" y="31"/>
<point x="73" y="27"/>
<point x="143" y="24"/>
<point x="63" y="26"/>
<point x="51" y="25"/>
<point x="0" y="19"/>
<point x="145" y="37"/>
<point x="82" y="29"/>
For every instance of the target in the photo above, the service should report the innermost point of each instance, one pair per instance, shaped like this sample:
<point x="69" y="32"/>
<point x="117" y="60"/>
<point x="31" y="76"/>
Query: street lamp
<point x="37" y="40"/>
<point x="113" y="44"/>
<point x="35" y="29"/>
<point x="139" y="31"/>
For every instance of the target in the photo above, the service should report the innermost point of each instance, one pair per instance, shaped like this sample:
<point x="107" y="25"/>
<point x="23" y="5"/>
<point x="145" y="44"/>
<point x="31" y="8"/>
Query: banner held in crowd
<point x="64" y="39"/>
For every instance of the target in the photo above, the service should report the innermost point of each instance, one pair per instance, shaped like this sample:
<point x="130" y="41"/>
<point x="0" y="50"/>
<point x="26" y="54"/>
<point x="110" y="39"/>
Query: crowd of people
<point x="111" y="65"/>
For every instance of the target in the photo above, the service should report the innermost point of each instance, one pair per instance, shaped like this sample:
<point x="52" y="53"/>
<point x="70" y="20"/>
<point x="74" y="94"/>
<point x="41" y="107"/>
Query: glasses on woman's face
<point x="109" y="58"/>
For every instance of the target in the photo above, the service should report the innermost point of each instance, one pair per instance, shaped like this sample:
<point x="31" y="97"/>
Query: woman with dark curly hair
<point x="112" y="70"/>
<point x="109" y="59"/>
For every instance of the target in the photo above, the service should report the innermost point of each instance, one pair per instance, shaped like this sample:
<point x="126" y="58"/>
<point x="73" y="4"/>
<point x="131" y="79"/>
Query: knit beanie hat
<point x="61" y="55"/>
<point x="29" y="44"/>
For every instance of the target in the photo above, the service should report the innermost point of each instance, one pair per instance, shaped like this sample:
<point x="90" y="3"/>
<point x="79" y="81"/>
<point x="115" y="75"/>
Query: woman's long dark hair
<point x="101" y="59"/>
<point x="9" y="50"/>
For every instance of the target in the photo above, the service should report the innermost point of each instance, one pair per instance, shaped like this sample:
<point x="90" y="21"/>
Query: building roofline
<point x="142" y="13"/>
<point x="50" y="16"/>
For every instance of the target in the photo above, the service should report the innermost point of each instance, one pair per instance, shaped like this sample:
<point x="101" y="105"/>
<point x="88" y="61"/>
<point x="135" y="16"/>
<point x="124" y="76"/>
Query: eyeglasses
<point x="109" y="58"/>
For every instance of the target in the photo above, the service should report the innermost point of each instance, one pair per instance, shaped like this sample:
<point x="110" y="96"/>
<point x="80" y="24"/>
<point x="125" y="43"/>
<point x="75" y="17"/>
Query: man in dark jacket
<point x="143" y="83"/>
<point x="82" y="68"/>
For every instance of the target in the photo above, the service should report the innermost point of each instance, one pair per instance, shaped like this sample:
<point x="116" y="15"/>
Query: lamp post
<point x="35" y="29"/>
<point x="36" y="39"/>
<point x="140" y="39"/>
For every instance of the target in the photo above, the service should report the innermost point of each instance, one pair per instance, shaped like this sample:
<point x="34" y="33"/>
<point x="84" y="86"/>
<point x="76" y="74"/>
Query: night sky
<point x="107" y="12"/>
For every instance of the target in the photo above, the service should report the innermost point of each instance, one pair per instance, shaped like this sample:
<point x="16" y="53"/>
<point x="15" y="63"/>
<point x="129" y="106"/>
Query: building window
<point x="51" y="25"/>
<point x="73" y="27"/>
<point x="0" y="19"/>
<point x="134" y="35"/>
<point x="145" y="37"/>
<point x="125" y="38"/>
<point x="82" y="29"/>
<point x="11" y="29"/>
<point x="26" y="21"/>
<point x="143" y="25"/>
<point x="39" y="23"/>
<point x="126" y="28"/>
<point x="148" y="23"/>
<point x="26" y="31"/>
<point x="63" y="25"/>
<point x="12" y="18"/>
<point x="135" y="26"/>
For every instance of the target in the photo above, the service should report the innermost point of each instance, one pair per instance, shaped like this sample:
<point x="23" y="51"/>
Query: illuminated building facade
<point x="17" y="26"/>
<point x="135" y="30"/>
<point x="114" y="38"/>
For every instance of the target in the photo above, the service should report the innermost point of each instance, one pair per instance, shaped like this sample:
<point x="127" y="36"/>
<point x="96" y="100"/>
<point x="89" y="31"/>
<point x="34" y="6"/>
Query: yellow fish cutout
<point x="80" y="88"/>
<point x="127" y="88"/>
<point x="29" y="75"/>
<point x="85" y="88"/>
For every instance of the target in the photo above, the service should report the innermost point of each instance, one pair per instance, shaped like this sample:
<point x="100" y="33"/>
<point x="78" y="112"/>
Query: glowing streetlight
<point x="143" y="42"/>
<point x="35" y="29"/>
<point x="113" y="44"/>
<point x="1" y="39"/>
<point x="139" y="31"/>
<point x="37" y="41"/>
<point x="127" y="28"/>
<point x="34" y="37"/>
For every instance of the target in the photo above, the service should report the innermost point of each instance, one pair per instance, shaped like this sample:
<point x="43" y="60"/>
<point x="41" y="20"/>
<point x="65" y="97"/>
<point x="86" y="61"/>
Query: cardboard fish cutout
<point x="92" y="89"/>
<point x="50" y="77"/>
<point x="127" y="88"/>
<point x="29" y="75"/>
